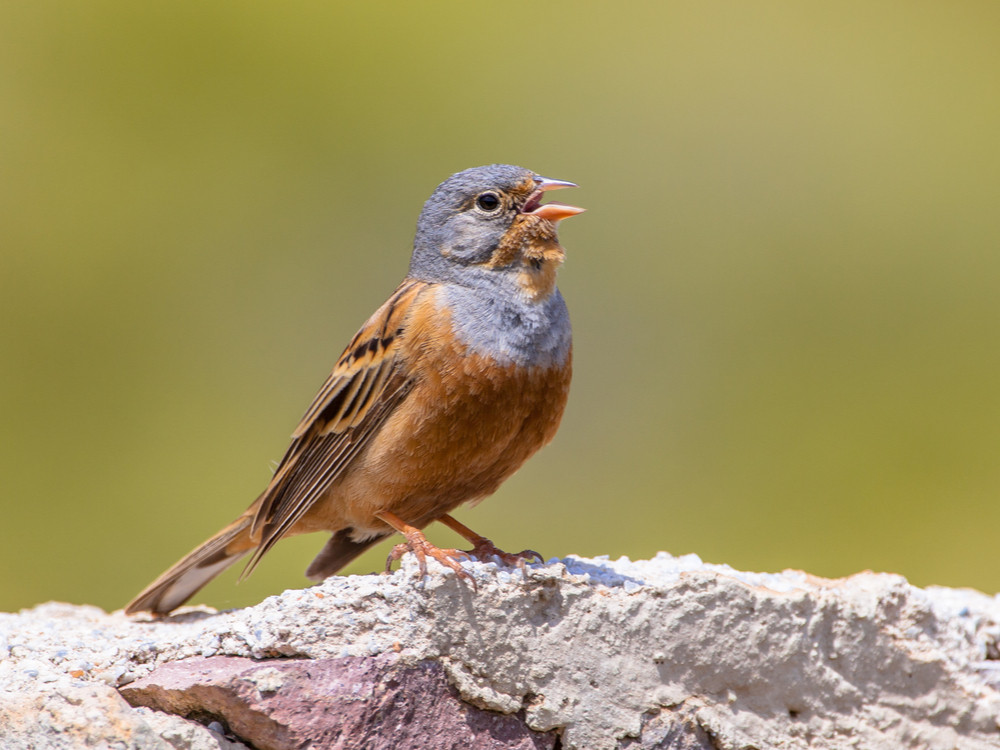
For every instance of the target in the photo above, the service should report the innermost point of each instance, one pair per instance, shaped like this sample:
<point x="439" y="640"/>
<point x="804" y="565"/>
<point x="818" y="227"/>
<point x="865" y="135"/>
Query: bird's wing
<point x="366" y="385"/>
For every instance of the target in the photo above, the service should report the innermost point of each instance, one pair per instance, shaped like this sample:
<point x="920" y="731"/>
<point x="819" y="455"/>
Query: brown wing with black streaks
<point x="367" y="384"/>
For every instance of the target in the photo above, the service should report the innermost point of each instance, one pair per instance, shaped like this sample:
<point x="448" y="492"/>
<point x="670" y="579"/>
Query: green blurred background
<point x="785" y="291"/>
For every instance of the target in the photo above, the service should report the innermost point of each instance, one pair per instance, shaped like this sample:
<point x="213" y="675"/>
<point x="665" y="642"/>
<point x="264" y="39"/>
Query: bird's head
<point x="491" y="220"/>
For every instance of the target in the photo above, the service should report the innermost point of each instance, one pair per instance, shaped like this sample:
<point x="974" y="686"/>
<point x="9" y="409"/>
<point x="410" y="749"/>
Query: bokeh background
<point x="785" y="291"/>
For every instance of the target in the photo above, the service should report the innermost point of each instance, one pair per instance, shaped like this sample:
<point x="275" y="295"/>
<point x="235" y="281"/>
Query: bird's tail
<point x="194" y="570"/>
<point x="339" y="550"/>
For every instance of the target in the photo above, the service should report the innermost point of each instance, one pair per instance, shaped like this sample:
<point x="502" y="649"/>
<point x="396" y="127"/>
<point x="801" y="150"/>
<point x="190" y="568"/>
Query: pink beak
<point x="554" y="212"/>
<point x="557" y="211"/>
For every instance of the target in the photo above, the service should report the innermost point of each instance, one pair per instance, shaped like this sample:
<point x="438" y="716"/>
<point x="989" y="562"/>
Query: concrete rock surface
<point x="593" y="654"/>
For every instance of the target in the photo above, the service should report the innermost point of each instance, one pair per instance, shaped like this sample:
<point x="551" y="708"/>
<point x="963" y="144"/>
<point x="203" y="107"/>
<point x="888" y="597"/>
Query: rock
<point x="180" y="734"/>
<point x="379" y="704"/>
<point x="668" y="652"/>
<point x="72" y="714"/>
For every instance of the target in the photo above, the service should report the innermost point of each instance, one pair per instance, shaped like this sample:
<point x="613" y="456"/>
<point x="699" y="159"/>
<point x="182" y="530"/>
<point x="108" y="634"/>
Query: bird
<point x="446" y="390"/>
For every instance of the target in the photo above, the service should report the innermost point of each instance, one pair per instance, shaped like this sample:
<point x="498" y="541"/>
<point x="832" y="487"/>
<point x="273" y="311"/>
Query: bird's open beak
<point x="554" y="212"/>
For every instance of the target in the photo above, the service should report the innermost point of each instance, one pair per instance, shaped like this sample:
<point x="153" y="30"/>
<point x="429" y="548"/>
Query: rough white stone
<point x="60" y="713"/>
<point x="593" y="647"/>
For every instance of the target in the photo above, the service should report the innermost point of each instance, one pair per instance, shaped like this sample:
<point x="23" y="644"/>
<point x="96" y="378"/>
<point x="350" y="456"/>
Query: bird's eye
<point x="488" y="202"/>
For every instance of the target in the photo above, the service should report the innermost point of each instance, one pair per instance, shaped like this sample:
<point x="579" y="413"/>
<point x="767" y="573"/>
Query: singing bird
<point x="445" y="392"/>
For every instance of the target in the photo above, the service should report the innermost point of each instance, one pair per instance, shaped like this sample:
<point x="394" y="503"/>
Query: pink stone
<point x="350" y="703"/>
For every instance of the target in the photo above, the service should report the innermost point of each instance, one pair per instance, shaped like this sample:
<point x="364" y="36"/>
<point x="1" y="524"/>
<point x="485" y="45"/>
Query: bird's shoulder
<point x="367" y="365"/>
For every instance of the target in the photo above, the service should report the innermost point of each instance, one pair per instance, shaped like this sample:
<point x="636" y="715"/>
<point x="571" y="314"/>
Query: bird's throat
<point x="531" y="248"/>
<point x="541" y="261"/>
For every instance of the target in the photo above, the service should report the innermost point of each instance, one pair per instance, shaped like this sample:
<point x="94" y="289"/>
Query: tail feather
<point x="201" y="565"/>
<point x="339" y="550"/>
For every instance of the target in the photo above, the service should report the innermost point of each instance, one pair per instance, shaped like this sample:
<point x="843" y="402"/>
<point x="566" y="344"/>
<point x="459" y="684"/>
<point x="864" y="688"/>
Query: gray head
<point x="477" y="220"/>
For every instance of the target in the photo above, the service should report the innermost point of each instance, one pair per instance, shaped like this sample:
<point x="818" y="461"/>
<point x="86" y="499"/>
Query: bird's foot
<point x="484" y="550"/>
<point x="417" y="543"/>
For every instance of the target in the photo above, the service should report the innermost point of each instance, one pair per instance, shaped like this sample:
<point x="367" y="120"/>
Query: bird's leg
<point x="417" y="543"/>
<point x="483" y="548"/>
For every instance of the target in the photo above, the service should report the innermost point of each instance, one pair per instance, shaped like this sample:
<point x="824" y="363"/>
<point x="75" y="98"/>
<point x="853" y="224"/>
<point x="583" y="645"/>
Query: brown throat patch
<point x="532" y="243"/>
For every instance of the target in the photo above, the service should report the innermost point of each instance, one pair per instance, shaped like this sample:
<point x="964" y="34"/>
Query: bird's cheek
<point x="463" y="252"/>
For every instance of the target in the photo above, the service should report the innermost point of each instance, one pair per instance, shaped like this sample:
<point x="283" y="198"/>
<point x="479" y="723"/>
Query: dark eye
<point x="488" y="202"/>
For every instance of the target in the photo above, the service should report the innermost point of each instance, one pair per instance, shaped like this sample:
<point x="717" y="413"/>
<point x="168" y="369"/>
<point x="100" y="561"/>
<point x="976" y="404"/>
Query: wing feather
<point x="366" y="385"/>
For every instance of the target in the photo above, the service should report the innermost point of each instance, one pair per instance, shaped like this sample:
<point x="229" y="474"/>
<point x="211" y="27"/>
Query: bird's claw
<point x="423" y="549"/>
<point x="483" y="549"/>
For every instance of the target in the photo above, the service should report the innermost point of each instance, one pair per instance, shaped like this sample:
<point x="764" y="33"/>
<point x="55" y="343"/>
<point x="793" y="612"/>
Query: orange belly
<point x="466" y="426"/>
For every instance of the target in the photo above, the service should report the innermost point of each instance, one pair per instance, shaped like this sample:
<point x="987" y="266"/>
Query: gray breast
<point x="505" y="325"/>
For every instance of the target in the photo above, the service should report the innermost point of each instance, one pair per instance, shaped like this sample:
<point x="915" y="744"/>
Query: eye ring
<point x="488" y="202"/>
